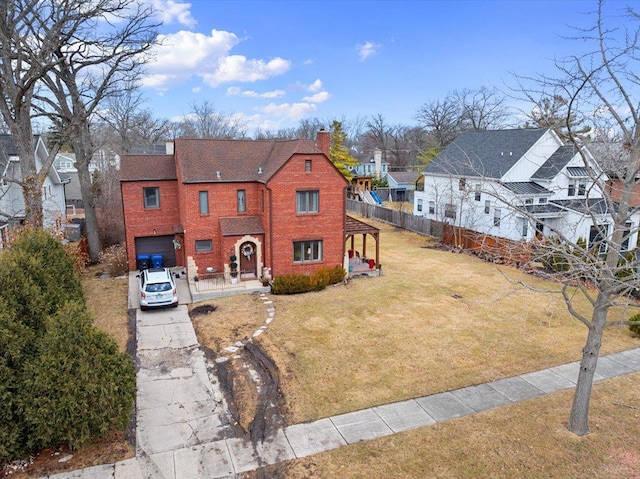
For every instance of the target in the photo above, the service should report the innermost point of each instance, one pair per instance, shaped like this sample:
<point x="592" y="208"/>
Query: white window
<point x="528" y="201"/>
<point x="496" y="216"/>
<point x="432" y="207"/>
<point x="478" y="194"/>
<point x="487" y="207"/>
<point x="307" y="251"/>
<point x="462" y="183"/>
<point x="419" y="205"/>
<point x="542" y="200"/>
<point x="525" y="227"/>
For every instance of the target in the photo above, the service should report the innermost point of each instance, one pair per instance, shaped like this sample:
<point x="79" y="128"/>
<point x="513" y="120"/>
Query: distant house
<point x="279" y="205"/>
<point x="517" y="184"/>
<point x="12" y="205"/>
<point x="402" y="184"/>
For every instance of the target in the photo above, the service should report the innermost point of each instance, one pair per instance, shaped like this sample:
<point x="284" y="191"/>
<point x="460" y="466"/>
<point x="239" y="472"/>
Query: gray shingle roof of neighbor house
<point x="489" y="153"/>
<point x="555" y="163"/>
<point x="403" y="176"/>
<point x="526" y="188"/>
<point x="586" y="206"/>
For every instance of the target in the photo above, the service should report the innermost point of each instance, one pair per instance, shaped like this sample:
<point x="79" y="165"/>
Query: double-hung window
<point x="307" y="201"/>
<point x="151" y="197"/>
<point x="478" y="193"/>
<point x="432" y="207"/>
<point x="419" y="207"/>
<point x="307" y="251"/>
<point x="450" y="211"/>
<point x="496" y="216"/>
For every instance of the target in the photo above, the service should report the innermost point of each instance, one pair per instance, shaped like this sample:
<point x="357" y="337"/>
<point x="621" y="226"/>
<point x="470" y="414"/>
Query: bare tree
<point x="31" y="31"/>
<point x="204" y="121"/>
<point x="127" y="124"/>
<point x="99" y="60"/>
<point x="482" y="109"/>
<point x="600" y="85"/>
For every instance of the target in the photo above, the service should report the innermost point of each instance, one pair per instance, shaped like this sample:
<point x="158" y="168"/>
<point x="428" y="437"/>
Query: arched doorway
<point x="248" y="260"/>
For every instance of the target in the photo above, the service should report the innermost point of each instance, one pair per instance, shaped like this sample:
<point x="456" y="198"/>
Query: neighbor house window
<point x="242" y="201"/>
<point x="582" y="187"/>
<point x="307" y="201"/>
<point x="462" y="183"/>
<point x="571" y="191"/>
<point x="419" y="205"/>
<point x="204" y="202"/>
<point x="487" y="207"/>
<point x="496" y="216"/>
<point x="151" y="197"/>
<point x="626" y="237"/>
<point x="597" y="238"/>
<point x="307" y="166"/>
<point x="542" y="200"/>
<point x="305" y="251"/>
<point x="450" y="211"/>
<point x="432" y="207"/>
<point x="477" y="194"/>
<point x="204" y="246"/>
<point x="525" y="227"/>
<point x="528" y="201"/>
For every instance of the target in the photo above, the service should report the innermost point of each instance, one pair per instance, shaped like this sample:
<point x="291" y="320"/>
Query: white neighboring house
<point x="12" y="205"/>
<point x="517" y="184"/>
<point x="374" y="168"/>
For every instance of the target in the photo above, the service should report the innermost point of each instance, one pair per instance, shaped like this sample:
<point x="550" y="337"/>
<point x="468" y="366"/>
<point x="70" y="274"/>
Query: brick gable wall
<point x="140" y="221"/>
<point x="288" y="226"/>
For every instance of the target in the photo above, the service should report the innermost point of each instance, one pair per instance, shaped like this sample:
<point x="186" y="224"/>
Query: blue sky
<point x="273" y="63"/>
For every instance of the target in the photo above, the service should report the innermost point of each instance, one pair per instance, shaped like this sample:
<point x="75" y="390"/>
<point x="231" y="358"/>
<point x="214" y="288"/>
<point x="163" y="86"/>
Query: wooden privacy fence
<point x="407" y="221"/>
<point x="481" y="244"/>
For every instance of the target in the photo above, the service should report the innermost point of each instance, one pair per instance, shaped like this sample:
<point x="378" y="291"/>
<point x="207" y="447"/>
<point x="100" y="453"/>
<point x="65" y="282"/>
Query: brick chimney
<point x="323" y="141"/>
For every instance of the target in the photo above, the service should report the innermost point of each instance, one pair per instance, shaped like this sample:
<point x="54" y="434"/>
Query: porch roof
<point x="241" y="225"/>
<point x="354" y="226"/>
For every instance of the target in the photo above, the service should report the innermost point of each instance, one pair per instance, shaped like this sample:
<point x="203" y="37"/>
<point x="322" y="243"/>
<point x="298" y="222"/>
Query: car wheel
<point x="174" y="305"/>
<point x="143" y="308"/>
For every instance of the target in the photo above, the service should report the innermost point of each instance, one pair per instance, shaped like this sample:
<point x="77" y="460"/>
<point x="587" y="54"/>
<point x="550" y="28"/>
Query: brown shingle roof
<point x="199" y="160"/>
<point x="241" y="225"/>
<point x="147" y="167"/>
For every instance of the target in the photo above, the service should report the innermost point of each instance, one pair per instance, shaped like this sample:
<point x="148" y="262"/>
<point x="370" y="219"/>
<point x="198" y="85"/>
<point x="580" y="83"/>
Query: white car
<point x="157" y="288"/>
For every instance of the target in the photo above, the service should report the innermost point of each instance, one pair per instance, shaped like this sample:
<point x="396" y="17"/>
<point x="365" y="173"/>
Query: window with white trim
<point x="487" y="206"/>
<point x="450" y="211"/>
<point x="478" y="195"/>
<point x="419" y="206"/>
<point x="242" y="201"/>
<point x="432" y="207"/>
<point x="496" y="216"/>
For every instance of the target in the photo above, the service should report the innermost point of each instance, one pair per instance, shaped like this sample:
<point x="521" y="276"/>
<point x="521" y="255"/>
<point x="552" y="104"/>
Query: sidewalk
<point x="182" y="425"/>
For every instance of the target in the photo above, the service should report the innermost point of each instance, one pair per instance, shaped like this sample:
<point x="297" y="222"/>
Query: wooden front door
<point x="248" y="260"/>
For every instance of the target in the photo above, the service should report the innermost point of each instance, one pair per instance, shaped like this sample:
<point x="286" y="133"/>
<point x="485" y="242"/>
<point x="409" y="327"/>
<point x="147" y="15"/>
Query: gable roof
<point x="555" y="163"/>
<point x="147" y="167"/>
<point x="526" y="188"/>
<point x="199" y="160"/>
<point x="488" y="153"/>
<point x="403" y="176"/>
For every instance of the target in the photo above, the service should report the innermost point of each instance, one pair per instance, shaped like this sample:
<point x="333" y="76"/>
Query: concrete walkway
<point x="183" y="429"/>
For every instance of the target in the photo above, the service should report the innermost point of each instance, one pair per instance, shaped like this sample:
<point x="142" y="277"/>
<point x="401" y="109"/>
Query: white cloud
<point x="316" y="86"/>
<point x="196" y="89"/>
<point x="318" y="97"/>
<point x="309" y="61"/>
<point x="367" y="49"/>
<point x="186" y="52"/>
<point x="172" y="11"/>
<point x="294" y="111"/>
<point x="236" y="91"/>
<point x="239" y="68"/>
<point x="156" y="81"/>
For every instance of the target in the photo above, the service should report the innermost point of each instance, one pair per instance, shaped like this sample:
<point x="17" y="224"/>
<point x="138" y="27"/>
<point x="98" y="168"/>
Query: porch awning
<point x="241" y="225"/>
<point x="354" y="226"/>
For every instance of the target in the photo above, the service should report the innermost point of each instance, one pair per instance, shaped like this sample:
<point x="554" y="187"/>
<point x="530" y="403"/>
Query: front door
<point x="248" y="260"/>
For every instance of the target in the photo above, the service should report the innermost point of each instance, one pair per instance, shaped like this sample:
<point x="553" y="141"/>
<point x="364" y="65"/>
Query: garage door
<point x="157" y="245"/>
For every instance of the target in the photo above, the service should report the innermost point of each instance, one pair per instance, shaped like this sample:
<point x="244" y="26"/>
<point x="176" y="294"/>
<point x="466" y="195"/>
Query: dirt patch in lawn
<point x="248" y="376"/>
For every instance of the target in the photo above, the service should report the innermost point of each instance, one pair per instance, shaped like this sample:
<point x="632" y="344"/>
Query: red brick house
<point x="277" y="204"/>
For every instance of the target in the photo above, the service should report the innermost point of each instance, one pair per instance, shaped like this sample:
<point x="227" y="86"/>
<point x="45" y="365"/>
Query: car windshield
<point x="157" y="287"/>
